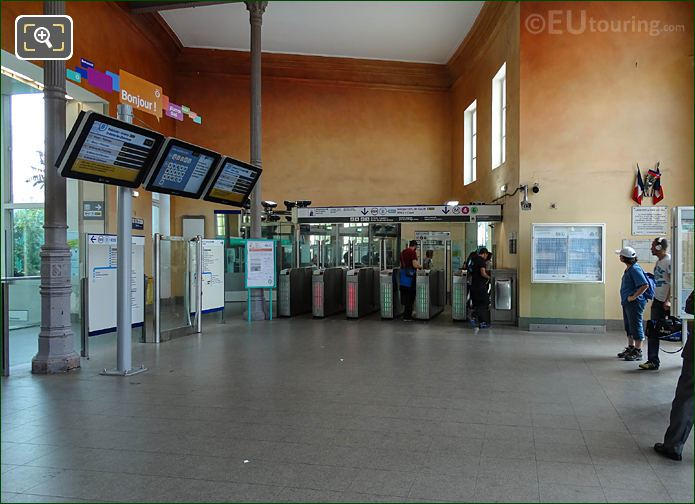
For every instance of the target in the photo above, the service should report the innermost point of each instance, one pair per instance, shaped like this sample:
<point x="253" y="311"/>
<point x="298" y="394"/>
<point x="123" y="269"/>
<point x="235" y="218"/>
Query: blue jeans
<point x="632" y="318"/>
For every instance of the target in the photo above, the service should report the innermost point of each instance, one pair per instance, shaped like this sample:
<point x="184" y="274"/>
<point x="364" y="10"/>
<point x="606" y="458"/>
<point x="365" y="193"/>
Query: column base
<point x="52" y="365"/>
<point x="129" y="372"/>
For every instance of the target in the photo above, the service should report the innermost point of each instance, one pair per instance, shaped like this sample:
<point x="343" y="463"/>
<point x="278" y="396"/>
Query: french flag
<point x="658" y="190"/>
<point x="638" y="190"/>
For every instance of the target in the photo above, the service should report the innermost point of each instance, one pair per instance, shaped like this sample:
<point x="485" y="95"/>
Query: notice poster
<point x="650" y="221"/>
<point x="102" y="264"/>
<point x="566" y="253"/>
<point x="643" y="249"/>
<point x="260" y="264"/>
<point x="213" y="275"/>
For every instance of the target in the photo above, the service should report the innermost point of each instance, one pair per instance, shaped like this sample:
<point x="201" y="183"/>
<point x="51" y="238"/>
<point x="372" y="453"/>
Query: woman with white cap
<point x="632" y="288"/>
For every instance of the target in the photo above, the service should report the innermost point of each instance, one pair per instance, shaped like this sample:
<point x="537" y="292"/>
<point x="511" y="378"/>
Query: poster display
<point x="683" y="258"/>
<point x="101" y="268"/>
<point x="643" y="249"/>
<point x="260" y="264"/>
<point x="213" y="275"/>
<point x="567" y="253"/>
<point x="650" y="221"/>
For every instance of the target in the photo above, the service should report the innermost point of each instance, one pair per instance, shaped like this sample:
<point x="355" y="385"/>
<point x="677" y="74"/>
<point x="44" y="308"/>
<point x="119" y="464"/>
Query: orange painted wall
<point x="333" y="144"/>
<point x="592" y="105"/>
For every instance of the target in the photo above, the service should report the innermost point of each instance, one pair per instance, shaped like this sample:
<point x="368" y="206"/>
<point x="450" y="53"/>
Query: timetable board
<point x="102" y="266"/>
<point x="233" y="183"/>
<point x="182" y="169"/>
<point x="103" y="149"/>
<point x="568" y="253"/>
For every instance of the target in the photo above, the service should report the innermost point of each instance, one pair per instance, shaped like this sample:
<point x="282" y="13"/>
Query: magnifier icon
<point x="43" y="36"/>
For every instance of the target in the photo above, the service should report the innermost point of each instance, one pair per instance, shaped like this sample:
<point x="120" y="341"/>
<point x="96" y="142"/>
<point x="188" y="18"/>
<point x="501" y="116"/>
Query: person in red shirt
<point x="409" y="265"/>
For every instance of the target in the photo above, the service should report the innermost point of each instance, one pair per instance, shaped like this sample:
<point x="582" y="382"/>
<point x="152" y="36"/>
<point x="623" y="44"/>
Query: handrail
<point x="17" y="278"/>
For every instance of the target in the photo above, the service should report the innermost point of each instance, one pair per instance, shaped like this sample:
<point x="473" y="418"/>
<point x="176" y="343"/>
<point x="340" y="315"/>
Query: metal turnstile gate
<point x="389" y="294"/>
<point x="328" y="291"/>
<point x="459" y="296"/>
<point x="361" y="296"/>
<point x="430" y="295"/>
<point x="294" y="291"/>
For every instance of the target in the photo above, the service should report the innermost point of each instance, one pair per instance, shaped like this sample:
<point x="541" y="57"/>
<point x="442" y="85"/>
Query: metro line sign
<point x="417" y="213"/>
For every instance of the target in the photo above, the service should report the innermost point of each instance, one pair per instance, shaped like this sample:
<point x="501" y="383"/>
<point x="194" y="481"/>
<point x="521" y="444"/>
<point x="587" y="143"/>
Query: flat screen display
<point x="233" y="183"/>
<point x="183" y="169"/>
<point x="103" y="149"/>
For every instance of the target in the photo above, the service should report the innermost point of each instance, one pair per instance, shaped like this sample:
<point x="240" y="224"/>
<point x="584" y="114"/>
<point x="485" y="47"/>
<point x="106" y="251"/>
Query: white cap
<point x="628" y="252"/>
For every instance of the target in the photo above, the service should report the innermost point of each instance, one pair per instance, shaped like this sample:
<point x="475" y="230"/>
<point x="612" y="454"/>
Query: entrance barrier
<point x="294" y="291"/>
<point x="362" y="291"/>
<point x="459" y="296"/>
<point x="328" y="291"/>
<point x="389" y="295"/>
<point x="430" y="295"/>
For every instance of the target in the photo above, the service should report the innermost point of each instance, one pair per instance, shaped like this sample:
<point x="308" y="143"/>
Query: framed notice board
<point x="260" y="264"/>
<point x="568" y="253"/>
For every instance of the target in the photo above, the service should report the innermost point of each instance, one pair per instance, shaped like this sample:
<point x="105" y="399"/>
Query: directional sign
<point x="93" y="210"/>
<point x="419" y="213"/>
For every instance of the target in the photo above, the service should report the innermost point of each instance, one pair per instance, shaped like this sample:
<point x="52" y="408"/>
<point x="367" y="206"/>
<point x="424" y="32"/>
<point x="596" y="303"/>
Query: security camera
<point x="536" y="188"/>
<point x="269" y="205"/>
<point x="303" y="203"/>
<point x="289" y="205"/>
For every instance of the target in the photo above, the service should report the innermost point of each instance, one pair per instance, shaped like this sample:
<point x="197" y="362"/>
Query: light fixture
<point x="452" y="203"/>
<point x="503" y="188"/>
<point x="136" y="194"/>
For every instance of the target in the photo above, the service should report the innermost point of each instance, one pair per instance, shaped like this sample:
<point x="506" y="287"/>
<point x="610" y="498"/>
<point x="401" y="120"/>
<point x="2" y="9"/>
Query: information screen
<point x="183" y="169"/>
<point x="233" y="183"/>
<point x="103" y="149"/>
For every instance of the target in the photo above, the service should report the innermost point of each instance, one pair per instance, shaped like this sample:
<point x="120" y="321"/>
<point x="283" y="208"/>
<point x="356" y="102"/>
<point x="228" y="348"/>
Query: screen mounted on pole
<point x="182" y="169"/>
<point x="103" y="149"/>
<point x="233" y="183"/>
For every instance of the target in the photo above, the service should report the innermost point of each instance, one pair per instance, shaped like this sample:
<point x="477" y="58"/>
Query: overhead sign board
<point x="233" y="183"/>
<point x="419" y="213"/>
<point x="93" y="210"/>
<point x="260" y="264"/>
<point x="182" y="169"/>
<point x="102" y="149"/>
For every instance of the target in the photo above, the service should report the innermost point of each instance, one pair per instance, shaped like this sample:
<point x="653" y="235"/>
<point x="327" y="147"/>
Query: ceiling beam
<point x="148" y="7"/>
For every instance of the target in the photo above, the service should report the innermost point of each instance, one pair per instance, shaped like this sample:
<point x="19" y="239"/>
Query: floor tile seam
<point x="62" y="497"/>
<point x="661" y="480"/>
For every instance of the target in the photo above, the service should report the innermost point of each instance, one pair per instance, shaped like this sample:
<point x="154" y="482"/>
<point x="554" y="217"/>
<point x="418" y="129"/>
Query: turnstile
<point x="362" y="291"/>
<point x="503" y="297"/>
<point x="430" y="293"/>
<point x="459" y="295"/>
<point x="294" y="291"/>
<point x="328" y="291"/>
<point x="389" y="294"/>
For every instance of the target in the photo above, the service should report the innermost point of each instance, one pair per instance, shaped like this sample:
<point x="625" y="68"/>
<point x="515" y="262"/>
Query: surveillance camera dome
<point x="536" y="188"/>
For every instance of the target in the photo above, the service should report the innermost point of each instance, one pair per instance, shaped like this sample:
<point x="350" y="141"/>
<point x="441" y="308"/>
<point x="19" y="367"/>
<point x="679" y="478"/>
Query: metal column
<point x="256" y="9"/>
<point x="56" y="351"/>
<point x="199" y="285"/>
<point x="124" y="274"/>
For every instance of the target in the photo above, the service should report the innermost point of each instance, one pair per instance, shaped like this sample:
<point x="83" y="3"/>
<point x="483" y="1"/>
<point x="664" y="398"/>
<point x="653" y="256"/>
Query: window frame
<point x="470" y="143"/>
<point x="499" y="117"/>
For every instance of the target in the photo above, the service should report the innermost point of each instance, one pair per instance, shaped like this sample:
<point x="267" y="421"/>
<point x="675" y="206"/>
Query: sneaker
<point x="626" y="351"/>
<point x="484" y="325"/>
<point x="634" y="355"/>
<point x="649" y="365"/>
<point x="663" y="450"/>
<point x="473" y="322"/>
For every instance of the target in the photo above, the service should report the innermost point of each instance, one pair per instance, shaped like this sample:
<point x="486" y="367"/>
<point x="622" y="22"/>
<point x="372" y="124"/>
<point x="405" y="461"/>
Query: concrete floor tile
<point x="554" y="492"/>
<point x="23" y="478"/>
<point x="443" y="487"/>
<point x="393" y="483"/>
<point x="655" y="494"/>
<point x="21" y="453"/>
<point x="567" y="474"/>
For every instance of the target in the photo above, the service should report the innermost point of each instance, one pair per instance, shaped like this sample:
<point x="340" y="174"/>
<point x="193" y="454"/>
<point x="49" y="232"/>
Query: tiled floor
<point x="336" y="410"/>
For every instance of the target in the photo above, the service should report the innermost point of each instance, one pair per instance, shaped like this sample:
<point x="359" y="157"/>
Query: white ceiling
<point x="427" y="32"/>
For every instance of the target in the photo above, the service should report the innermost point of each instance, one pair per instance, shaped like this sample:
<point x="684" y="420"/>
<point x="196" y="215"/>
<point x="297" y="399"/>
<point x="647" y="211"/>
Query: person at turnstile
<point x="409" y="265"/>
<point x="480" y="296"/>
<point x="427" y="261"/>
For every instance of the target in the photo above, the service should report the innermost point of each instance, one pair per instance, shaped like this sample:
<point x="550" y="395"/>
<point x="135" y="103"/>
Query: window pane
<point x="27" y="148"/>
<point x="474" y="146"/>
<point x="155" y="219"/>
<point x="27" y="239"/>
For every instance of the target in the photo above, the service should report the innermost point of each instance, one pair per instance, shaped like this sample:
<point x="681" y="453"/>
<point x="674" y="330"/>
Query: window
<point x="220" y="227"/>
<point x="499" y="117"/>
<point x="469" y="143"/>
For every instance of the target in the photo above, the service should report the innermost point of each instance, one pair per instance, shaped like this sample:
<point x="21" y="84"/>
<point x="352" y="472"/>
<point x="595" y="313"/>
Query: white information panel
<point x="650" y="220"/>
<point x="568" y="253"/>
<point x="683" y="258"/>
<point x="102" y="263"/>
<point x="643" y="249"/>
<point x="213" y="275"/>
<point x="260" y="264"/>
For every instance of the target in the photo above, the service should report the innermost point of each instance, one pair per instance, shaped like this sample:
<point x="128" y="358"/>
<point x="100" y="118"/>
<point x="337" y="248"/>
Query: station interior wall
<point x="341" y="131"/>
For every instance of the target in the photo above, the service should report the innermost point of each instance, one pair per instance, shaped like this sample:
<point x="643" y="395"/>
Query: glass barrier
<point x="24" y="318"/>
<point x="172" y="285"/>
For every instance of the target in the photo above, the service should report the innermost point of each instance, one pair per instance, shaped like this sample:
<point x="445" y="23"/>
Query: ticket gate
<point x="294" y="291"/>
<point x="503" y="297"/>
<point x="389" y="294"/>
<point x="430" y="293"/>
<point x="459" y="295"/>
<point x="361" y="296"/>
<point x="328" y="291"/>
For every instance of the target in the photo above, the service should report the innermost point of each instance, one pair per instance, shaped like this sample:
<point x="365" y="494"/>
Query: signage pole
<point x="124" y="274"/>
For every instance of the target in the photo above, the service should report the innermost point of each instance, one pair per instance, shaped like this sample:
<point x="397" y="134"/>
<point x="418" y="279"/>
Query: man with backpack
<point x="661" y="305"/>
<point x="635" y="290"/>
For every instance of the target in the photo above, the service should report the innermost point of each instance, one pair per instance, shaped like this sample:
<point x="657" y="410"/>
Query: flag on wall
<point x="638" y="190"/>
<point x="658" y="190"/>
